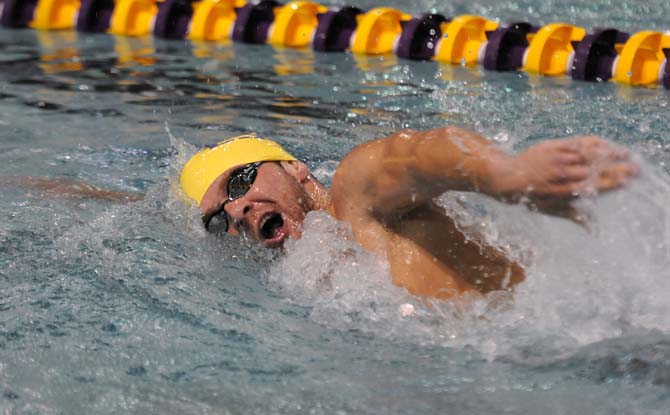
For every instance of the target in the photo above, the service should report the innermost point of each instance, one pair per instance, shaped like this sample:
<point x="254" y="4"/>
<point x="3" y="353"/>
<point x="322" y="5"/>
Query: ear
<point x="297" y="169"/>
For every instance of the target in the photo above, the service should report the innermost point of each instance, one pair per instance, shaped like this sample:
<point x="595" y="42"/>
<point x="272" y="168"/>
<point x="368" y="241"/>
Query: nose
<point x="238" y="210"/>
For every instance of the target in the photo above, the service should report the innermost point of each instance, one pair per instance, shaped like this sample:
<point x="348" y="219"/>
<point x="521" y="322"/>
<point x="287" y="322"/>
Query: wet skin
<point x="275" y="206"/>
<point x="385" y="189"/>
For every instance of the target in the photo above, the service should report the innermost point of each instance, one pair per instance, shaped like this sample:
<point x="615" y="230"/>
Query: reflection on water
<point x="220" y="50"/>
<point x="293" y="61"/>
<point x="375" y="63"/>
<point x="133" y="51"/>
<point x="58" y="53"/>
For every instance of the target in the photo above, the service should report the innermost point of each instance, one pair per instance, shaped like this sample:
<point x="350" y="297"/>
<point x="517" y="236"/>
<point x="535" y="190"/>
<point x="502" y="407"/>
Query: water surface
<point x="131" y="308"/>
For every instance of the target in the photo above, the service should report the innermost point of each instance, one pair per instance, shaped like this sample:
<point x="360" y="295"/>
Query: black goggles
<point x="239" y="183"/>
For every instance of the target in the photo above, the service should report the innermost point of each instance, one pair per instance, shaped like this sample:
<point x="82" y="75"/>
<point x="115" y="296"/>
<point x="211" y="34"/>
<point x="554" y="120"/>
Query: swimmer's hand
<point x="564" y="169"/>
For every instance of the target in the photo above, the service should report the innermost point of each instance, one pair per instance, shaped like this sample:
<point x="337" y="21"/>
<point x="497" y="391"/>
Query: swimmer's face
<point x="269" y="208"/>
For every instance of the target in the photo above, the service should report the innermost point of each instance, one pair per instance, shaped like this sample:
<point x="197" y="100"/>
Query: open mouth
<point x="272" y="229"/>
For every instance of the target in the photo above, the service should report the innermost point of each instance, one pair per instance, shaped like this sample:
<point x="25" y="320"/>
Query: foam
<point x="584" y="284"/>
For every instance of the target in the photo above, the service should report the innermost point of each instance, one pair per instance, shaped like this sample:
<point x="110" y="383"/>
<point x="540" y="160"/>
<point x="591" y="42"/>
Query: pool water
<point x="116" y="308"/>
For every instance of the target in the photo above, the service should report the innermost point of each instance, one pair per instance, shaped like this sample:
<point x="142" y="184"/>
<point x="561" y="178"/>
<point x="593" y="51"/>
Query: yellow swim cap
<point x="205" y="166"/>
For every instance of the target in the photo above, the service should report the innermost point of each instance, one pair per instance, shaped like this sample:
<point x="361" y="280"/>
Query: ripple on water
<point x="132" y="308"/>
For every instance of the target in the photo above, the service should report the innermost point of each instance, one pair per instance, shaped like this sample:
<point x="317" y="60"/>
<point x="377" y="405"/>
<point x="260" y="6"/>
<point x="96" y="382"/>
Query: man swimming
<point x="384" y="189"/>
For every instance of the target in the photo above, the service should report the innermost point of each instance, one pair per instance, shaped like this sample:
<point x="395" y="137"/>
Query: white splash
<point x="583" y="285"/>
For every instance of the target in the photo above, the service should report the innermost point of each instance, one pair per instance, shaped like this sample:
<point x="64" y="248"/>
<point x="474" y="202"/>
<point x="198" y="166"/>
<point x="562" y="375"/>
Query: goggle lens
<point x="241" y="180"/>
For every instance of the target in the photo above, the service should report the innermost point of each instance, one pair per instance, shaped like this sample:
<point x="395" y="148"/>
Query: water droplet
<point x="406" y="310"/>
<point x="501" y="137"/>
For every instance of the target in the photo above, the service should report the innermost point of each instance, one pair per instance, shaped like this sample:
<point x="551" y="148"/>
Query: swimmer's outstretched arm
<point x="62" y="187"/>
<point x="391" y="176"/>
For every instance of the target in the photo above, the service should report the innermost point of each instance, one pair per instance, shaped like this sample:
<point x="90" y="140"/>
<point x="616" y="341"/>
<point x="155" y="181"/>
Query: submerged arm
<point x="69" y="188"/>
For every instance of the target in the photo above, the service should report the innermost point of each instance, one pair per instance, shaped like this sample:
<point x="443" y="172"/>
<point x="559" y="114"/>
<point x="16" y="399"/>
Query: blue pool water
<point x="117" y="308"/>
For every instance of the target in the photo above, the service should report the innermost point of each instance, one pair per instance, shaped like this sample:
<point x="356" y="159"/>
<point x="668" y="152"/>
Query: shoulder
<point x="353" y="185"/>
<point x="373" y="177"/>
<point x="366" y="161"/>
<point x="352" y="195"/>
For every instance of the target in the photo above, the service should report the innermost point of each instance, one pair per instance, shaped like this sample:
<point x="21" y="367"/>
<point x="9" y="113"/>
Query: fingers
<point x="572" y="158"/>
<point x="613" y="176"/>
<point x="581" y="157"/>
<point x="581" y="180"/>
<point x="575" y="167"/>
<point x="616" y="176"/>
<point x="570" y="173"/>
<point x="618" y="153"/>
<point x="579" y="144"/>
<point x="590" y="149"/>
<point x="578" y="173"/>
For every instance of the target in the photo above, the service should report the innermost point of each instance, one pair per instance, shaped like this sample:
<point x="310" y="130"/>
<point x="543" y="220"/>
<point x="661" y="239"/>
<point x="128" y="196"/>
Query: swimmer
<point x="385" y="190"/>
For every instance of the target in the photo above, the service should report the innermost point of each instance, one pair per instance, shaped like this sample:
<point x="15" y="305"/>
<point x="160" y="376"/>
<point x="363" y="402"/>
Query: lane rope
<point x="556" y="49"/>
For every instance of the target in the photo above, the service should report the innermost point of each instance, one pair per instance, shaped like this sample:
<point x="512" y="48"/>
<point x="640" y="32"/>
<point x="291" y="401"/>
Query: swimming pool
<point x="132" y="308"/>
